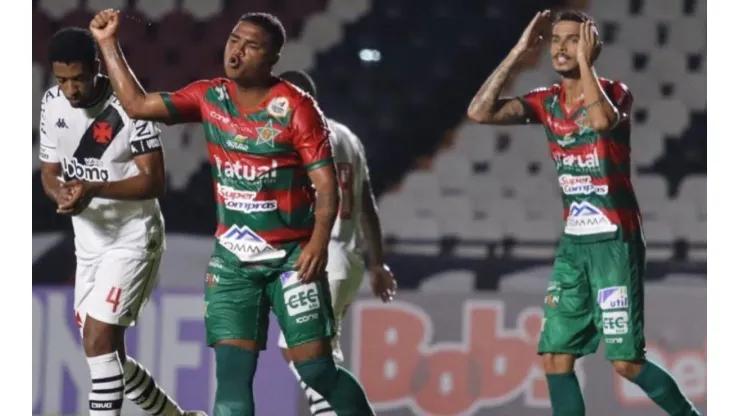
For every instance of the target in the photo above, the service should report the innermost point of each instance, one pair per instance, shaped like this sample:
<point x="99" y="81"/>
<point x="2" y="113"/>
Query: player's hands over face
<point x="104" y="25"/>
<point x="535" y="33"/>
<point x="76" y="195"/>
<point x="383" y="283"/>
<point x="588" y="43"/>
<point x="311" y="264"/>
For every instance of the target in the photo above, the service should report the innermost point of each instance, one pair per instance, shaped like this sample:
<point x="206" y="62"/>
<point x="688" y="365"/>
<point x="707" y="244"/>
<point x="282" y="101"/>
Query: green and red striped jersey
<point x="260" y="158"/>
<point x="593" y="169"/>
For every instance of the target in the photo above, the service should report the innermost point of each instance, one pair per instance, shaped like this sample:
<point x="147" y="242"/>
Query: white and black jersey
<point x="352" y="171"/>
<point x="99" y="143"/>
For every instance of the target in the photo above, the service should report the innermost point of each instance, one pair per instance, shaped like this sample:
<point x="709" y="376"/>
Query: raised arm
<point x="137" y="103"/>
<point x="604" y="109"/>
<point x="487" y="106"/>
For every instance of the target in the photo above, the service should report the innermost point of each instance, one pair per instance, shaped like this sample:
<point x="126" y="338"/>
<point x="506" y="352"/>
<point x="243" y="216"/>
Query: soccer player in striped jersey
<point x="357" y="229"/>
<point x="276" y="192"/>
<point x="106" y="171"/>
<point x="597" y="287"/>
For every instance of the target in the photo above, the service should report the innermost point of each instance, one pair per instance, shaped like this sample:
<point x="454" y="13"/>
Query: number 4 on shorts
<point x="114" y="297"/>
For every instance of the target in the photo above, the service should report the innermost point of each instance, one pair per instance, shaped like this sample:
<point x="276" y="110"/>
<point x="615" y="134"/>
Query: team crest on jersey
<point x="267" y="134"/>
<point x="102" y="132"/>
<point x="278" y="107"/>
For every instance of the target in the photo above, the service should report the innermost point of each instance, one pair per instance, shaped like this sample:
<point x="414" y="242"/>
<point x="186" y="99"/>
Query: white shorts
<point x="114" y="288"/>
<point x="343" y="287"/>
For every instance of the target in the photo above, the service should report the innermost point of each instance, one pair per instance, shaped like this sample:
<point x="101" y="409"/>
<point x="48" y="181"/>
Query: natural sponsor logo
<point x="493" y="365"/>
<point x="92" y="170"/>
<point x="588" y="161"/>
<point x="302" y="299"/>
<point x="243" y="201"/>
<point x="580" y="185"/>
<point x="584" y="219"/>
<point x="247" y="245"/>
<point x="614" y="297"/>
<point x="615" y="323"/>
<point x="244" y="171"/>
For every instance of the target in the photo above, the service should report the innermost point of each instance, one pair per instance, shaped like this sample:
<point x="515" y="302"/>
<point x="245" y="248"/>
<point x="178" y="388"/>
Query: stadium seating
<point x="657" y="49"/>
<point x="400" y="74"/>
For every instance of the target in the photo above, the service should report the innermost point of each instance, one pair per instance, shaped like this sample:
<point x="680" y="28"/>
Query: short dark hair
<point x="270" y="24"/>
<point x="301" y="80"/>
<point x="571" y="15"/>
<point x="73" y="44"/>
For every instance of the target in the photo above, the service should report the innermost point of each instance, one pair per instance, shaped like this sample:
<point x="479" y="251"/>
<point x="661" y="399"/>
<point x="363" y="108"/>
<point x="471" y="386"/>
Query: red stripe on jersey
<point x="252" y="160"/>
<point x="605" y="147"/>
<point x="225" y="121"/>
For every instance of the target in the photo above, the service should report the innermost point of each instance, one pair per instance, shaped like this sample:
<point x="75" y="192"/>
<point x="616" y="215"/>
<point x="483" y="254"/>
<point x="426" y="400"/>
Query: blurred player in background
<point x="105" y="170"/>
<point x="269" y="147"/>
<point x="357" y="213"/>
<point x="597" y="288"/>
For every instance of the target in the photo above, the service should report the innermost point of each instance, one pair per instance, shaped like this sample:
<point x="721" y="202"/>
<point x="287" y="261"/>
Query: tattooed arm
<point x="487" y="107"/>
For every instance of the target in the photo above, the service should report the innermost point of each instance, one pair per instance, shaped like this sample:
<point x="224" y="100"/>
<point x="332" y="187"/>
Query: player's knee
<point x="100" y="338"/>
<point x="235" y="364"/>
<point x="319" y="374"/>
<point x="558" y="363"/>
<point x="627" y="369"/>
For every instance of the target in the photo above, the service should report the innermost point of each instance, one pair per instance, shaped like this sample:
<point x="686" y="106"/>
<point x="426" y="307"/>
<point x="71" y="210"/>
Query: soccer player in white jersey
<point x="106" y="171"/>
<point x="358" y="213"/>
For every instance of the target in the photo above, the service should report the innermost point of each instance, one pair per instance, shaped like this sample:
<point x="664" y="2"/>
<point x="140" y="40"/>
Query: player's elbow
<point x="475" y="116"/>
<point x="135" y="107"/>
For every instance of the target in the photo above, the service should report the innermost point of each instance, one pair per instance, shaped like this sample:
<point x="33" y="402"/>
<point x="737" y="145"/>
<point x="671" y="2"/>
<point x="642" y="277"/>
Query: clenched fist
<point x="104" y="26"/>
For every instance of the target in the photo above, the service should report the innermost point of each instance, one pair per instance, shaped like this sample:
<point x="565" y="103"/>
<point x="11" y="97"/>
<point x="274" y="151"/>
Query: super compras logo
<point x="244" y="201"/>
<point x="247" y="245"/>
<point x="584" y="219"/>
<point x="92" y="170"/>
<point x="581" y="185"/>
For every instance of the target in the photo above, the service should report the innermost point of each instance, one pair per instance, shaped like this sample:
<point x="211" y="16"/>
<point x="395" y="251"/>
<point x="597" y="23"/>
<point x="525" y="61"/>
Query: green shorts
<point x="238" y="302"/>
<point x="596" y="291"/>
